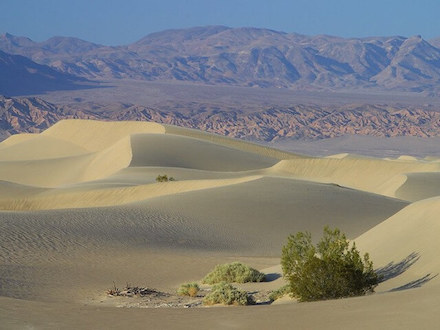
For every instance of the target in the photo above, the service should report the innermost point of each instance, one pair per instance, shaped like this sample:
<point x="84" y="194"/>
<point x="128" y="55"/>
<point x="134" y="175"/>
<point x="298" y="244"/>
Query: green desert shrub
<point x="233" y="272"/>
<point x="331" y="269"/>
<point x="188" y="289"/>
<point x="281" y="292"/>
<point x="164" y="178"/>
<point x="226" y="294"/>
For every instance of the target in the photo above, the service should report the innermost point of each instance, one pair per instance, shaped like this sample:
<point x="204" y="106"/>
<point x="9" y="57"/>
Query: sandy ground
<point x="80" y="210"/>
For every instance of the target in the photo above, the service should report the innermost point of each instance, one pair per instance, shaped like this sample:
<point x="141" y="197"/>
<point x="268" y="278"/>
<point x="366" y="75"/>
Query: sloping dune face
<point x="405" y="246"/>
<point x="186" y="152"/>
<point x="232" y="143"/>
<point x="31" y="148"/>
<point x="67" y="169"/>
<point x="419" y="186"/>
<point x="95" y="135"/>
<point x="80" y="207"/>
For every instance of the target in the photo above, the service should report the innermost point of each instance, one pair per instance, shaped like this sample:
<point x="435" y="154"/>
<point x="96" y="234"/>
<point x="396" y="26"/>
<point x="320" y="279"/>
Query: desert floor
<point x="81" y="211"/>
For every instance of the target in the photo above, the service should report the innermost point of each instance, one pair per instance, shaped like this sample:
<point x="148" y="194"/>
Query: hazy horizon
<point x="117" y="23"/>
<point x="202" y="26"/>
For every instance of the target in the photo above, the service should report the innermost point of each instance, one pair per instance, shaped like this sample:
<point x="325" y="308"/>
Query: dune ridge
<point x="16" y="138"/>
<point x="231" y="142"/>
<point x="379" y="176"/>
<point x="98" y="135"/>
<point x="82" y="198"/>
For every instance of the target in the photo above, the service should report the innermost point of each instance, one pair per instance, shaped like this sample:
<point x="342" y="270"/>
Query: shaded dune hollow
<point x="80" y="207"/>
<point x="168" y="150"/>
<point x="419" y="186"/>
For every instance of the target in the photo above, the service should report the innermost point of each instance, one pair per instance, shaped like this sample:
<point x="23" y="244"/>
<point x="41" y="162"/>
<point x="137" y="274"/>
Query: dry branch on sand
<point x="131" y="291"/>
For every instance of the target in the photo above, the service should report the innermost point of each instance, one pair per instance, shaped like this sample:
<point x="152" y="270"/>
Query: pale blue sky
<point x="114" y="22"/>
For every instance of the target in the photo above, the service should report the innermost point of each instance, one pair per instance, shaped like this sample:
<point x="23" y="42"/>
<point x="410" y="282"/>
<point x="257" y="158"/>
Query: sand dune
<point x="419" y="186"/>
<point x="409" y="241"/>
<point x="17" y="138"/>
<point x="54" y="172"/>
<point x="233" y="143"/>
<point x="249" y="219"/>
<point x="80" y="208"/>
<point x="96" y="135"/>
<point x="396" y="310"/>
<point x="78" y="151"/>
<point x="45" y="172"/>
<point x="31" y="148"/>
<point x="369" y="174"/>
<point x="98" y="196"/>
<point x="264" y="211"/>
<point x="186" y="152"/>
<point x="11" y="191"/>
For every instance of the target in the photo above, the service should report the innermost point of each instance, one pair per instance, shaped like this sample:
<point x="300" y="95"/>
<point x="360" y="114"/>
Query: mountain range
<point x="19" y="75"/>
<point x="246" y="57"/>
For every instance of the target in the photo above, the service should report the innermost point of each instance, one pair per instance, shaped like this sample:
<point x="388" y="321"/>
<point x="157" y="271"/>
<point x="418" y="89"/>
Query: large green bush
<point x="331" y="269"/>
<point x="226" y="294"/>
<point x="233" y="272"/>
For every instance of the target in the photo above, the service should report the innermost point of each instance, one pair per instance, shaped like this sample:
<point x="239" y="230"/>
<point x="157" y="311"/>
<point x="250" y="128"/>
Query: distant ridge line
<point x="252" y="57"/>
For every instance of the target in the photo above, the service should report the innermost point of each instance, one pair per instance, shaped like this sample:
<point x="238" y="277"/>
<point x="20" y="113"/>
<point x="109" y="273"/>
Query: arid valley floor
<point x="81" y="210"/>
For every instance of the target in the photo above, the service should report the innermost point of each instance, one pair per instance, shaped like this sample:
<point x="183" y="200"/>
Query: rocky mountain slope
<point x="19" y="76"/>
<point x="30" y="115"/>
<point x="247" y="57"/>
<point x="301" y="122"/>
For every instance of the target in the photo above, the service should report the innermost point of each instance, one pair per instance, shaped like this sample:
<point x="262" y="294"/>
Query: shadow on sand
<point x="271" y="277"/>
<point x="416" y="283"/>
<point x="393" y="270"/>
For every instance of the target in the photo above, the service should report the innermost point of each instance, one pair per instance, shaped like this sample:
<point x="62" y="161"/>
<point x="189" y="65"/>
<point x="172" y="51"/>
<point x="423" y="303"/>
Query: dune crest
<point x="97" y="135"/>
<point x="86" y="198"/>
<point x="233" y="143"/>
<point x="16" y="138"/>
<point x="368" y="174"/>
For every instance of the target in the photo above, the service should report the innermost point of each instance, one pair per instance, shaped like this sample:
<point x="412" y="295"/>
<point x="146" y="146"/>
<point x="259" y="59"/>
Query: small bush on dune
<point x="164" y="178"/>
<point x="281" y="292"/>
<point x="226" y="294"/>
<point x="233" y="272"/>
<point x="330" y="270"/>
<point x="188" y="289"/>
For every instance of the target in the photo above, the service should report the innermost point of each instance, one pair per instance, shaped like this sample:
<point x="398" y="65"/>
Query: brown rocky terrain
<point x="268" y="124"/>
<point x="31" y="115"/>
